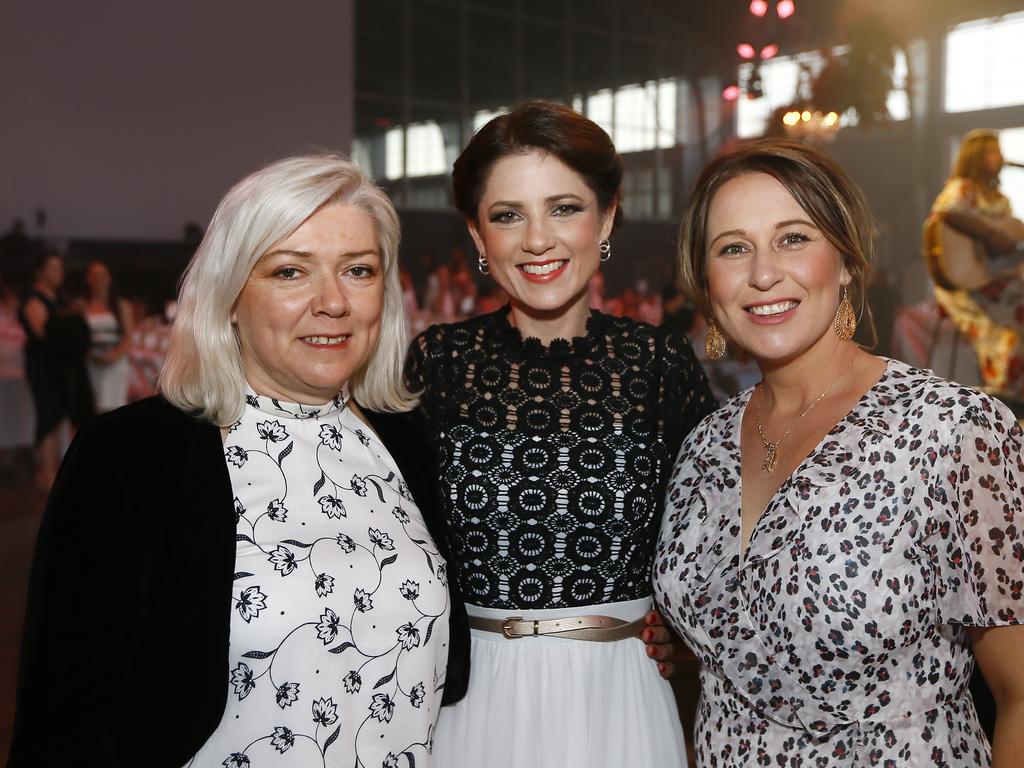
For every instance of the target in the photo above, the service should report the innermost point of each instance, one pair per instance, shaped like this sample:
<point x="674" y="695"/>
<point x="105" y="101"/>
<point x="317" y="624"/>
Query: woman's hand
<point x="998" y="651"/>
<point x="660" y="643"/>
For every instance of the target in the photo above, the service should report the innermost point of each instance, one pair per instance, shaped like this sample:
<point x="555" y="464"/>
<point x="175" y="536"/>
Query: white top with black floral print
<point x="339" y="633"/>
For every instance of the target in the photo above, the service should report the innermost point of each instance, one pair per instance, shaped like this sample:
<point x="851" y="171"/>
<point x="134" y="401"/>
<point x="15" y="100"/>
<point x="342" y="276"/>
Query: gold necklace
<point x="772" y="449"/>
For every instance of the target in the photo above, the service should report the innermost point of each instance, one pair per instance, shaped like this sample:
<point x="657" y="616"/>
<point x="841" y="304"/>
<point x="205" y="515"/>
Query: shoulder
<point x="442" y="335"/>
<point x="152" y="427"/>
<point x="448" y="343"/>
<point x="912" y="391"/>
<point x="663" y="342"/>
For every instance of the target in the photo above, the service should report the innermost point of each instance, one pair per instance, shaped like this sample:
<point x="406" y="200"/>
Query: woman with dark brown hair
<point x="555" y="427"/>
<point x="842" y="541"/>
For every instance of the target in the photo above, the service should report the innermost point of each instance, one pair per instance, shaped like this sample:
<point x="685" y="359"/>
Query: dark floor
<point x="20" y="510"/>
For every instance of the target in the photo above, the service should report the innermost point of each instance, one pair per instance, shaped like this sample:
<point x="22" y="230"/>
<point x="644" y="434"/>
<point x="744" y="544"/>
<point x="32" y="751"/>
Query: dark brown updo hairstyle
<point x="828" y="196"/>
<point x="547" y="127"/>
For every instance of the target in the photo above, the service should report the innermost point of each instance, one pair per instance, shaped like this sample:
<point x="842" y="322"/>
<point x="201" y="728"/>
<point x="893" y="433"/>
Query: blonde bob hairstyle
<point x="829" y="197"/>
<point x="970" y="157"/>
<point x="203" y="374"/>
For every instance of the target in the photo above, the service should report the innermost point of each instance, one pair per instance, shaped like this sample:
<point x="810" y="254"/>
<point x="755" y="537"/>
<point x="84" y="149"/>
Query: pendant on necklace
<point x="771" y="453"/>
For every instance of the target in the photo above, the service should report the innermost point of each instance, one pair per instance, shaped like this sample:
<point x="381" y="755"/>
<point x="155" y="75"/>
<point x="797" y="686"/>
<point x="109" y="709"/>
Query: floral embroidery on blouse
<point x="339" y="625"/>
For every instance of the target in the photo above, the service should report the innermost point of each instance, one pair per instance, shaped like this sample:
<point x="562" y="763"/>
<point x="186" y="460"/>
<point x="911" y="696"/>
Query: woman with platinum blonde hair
<point x="269" y="586"/>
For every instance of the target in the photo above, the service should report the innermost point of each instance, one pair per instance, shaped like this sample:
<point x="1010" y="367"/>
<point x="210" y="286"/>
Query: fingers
<point x="655" y="635"/>
<point x="666" y="669"/>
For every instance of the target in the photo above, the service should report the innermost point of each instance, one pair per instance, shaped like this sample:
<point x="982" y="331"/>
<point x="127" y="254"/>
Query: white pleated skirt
<point x="547" y="702"/>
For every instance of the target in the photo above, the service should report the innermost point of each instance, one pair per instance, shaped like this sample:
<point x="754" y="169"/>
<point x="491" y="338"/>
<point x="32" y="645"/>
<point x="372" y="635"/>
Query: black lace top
<point x="553" y="460"/>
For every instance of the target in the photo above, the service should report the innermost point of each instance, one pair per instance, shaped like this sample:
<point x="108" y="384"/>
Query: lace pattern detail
<point x="553" y="459"/>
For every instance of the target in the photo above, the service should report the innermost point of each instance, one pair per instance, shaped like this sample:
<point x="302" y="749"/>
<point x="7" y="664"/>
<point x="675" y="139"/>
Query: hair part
<point x="542" y="126"/>
<point x="204" y="374"/>
<point x="822" y="189"/>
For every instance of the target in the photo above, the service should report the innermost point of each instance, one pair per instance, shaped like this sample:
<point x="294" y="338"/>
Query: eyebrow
<point x="780" y="225"/>
<point x="549" y="199"/>
<point x="309" y="254"/>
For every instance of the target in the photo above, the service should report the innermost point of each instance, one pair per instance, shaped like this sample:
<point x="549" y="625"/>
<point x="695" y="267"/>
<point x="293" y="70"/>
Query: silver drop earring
<point x="605" y="247"/>
<point x="481" y="263"/>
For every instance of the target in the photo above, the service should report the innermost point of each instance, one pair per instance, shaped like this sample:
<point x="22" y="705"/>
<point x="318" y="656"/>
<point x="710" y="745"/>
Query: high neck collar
<point x="282" y="408"/>
<point x="558" y="348"/>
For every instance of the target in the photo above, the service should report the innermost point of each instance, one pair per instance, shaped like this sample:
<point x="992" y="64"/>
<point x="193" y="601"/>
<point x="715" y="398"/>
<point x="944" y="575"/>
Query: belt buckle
<point x="506" y="628"/>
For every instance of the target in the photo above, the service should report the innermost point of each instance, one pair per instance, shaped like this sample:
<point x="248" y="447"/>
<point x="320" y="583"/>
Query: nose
<point x="330" y="298"/>
<point x="538" y="238"/>
<point x="764" y="270"/>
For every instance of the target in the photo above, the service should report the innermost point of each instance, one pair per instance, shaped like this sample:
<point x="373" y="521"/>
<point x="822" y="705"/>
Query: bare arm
<point x="999" y="651"/>
<point x="127" y="320"/>
<point x="998" y="235"/>
<point x="36" y="316"/>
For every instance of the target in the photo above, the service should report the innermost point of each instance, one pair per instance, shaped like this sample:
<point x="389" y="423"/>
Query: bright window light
<point x="426" y="150"/>
<point x="393" y="149"/>
<point x="984" y="61"/>
<point x="898" y="101"/>
<point x="635" y="118"/>
<point x="666" y="114"/>
<point x="599" y="109"/>
<point x="484" y="116"/>
<point x="1011" y="180"/>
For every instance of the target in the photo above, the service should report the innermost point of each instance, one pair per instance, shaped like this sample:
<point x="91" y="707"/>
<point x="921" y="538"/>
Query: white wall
<point x="125" y="119"/>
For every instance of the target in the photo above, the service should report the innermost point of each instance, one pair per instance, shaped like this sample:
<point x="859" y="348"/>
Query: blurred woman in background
<point x="110" y="335"/>
<point x="54" y="362"/>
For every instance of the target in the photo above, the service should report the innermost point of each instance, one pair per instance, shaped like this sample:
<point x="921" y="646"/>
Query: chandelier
<point x="814" y="127"/>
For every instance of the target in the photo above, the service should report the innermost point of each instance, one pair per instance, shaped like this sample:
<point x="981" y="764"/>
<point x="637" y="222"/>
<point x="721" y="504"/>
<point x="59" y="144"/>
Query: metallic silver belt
<point x="601" y="629"/>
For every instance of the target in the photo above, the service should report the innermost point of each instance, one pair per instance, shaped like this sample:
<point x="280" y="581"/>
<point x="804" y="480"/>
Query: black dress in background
<point x="55" y="367"/>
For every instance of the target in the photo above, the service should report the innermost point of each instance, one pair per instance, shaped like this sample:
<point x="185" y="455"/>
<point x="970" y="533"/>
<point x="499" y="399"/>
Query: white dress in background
<point x="109" y="381"/>
<point x="339" y="627"/>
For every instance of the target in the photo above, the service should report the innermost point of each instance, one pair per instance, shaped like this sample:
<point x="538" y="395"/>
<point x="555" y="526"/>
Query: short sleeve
<point x="958" y="195"/>
<point x="980" y="553"/>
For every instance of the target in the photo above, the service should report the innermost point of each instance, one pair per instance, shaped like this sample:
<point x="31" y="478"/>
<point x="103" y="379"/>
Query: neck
<point x="789" y="386"/>
<point x="562" y="323"/>
<point x="45" y="289"/>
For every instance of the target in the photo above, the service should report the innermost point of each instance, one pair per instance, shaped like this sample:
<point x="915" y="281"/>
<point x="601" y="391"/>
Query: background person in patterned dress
<point x="555" y="429"/>
<point x="239" y="572"/>
<point x="842" y="541"/>
<point x="992" y="315"/>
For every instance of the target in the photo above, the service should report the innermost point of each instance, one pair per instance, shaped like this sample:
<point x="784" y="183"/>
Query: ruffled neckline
<point x="558" y="349"/>
<point x="282" y="408"/>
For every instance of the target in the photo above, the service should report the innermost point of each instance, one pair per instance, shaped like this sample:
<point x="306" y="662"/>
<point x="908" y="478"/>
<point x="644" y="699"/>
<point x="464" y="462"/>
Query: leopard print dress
<point x="839" y="637"/>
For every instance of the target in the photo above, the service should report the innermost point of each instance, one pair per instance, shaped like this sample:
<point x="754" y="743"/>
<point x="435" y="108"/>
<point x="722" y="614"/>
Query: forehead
<point x="333" y="227"/>
<point x="533" y="174"/>
<point x="752" y="196"/>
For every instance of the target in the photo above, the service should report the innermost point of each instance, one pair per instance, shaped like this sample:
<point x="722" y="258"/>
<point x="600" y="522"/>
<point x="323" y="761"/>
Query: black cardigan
<point x="134" y="561"/>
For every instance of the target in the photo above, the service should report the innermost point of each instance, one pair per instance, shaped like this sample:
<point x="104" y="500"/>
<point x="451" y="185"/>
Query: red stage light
<point x="759" y="7"/>
<point x="383" y="122"/>
<point x="745" y="50"/>
<point x="731" y="93"/>
<point x="785" y="8"/>
<point x="769" y="51"/>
